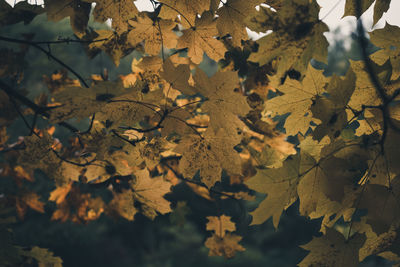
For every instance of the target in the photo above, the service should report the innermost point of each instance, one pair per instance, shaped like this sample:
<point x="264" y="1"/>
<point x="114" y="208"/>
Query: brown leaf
<point x="333" y="250"/>
<point x="123" y="205"/>
<point x="209" y="155"/>
<point x="227" y="246"/>
<point x="150" y="191"/>
<point x="156" y="34"/>
<point x="220" y="225"/>
<point x="200" y="39"/>
<point x="189" y="9"/>
<point x="119" y="11"/>
<point x="77" y="10"/>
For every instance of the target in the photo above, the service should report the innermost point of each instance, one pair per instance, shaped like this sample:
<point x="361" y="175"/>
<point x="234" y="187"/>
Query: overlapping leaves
<point x="168" y="110"/>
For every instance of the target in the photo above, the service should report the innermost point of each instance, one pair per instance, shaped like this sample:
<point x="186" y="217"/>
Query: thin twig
<point x="37" y="109"/>
<point x="67" y="41"/>
<point x="132" y="142"/>
<point x="48" y="53"/>
<point x="179" y="176"/>
<point x="72" y="162"/>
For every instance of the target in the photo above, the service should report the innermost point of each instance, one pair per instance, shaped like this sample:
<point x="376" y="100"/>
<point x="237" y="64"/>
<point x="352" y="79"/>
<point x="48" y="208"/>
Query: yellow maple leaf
<point x="187" y="9"/>
<point x="220" y="225"/>
<point x="201" y="39"/>
<point x="119" y="11"/>
<point x="209" y="155"/>
<point x="227" y="246"/>
<point x="150" y="191"/>
<point x="232" y="17"/>
<point x="297" y="100"/>
<point x="156" y="34"/>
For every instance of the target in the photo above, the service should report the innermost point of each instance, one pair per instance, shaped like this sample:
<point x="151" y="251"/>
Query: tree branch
<point x="49" y="54"/>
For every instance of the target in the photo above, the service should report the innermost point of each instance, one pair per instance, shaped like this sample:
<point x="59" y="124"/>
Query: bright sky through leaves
<point x="333" y="19"/>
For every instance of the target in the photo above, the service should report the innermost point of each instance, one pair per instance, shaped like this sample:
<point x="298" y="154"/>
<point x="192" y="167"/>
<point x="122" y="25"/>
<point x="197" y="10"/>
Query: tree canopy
<point x="266" y="129"/>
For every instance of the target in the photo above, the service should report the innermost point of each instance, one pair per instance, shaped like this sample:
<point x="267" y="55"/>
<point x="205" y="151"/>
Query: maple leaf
<point x="123" y="205"/>
<point x="150" y="192"/>
<point x="109" y="163"/>
<point x="267" y="157"/>
<point x="332" y="249"/>
<point x="297" y="37"/>
<point x="116" y="46"/>
<point x="331" y="111"/>
<point x="199" y="39"/>
<point x="384" y="168"/>
<point x="74" y="104"/>
<point x="81" y="104"/>
<point x="101" y="172"/>
<point x="38" y="153"/>
<point x="177" y="77"/>
<point x="226" y="246"/>
<point x="77" y="10"/>
<point x="224" y="103"/>
<point x="176" y="122"/>
<point x="231" y="19"/>
<point x="209" y="155"/>
<point x="261" y="21"/>
<point x="188" y="9"/>
<point x="129" y="109"/>
<point x="98" y="141"/>
<point x="313" y="147"/>
<point x="376" y="244"/>
<point x="152" y="151"/>
<point x="297" y="99"/>
<point x="220" y="225"/>
<point x="147" y="70"/>
<point x="365" y="92"/>
<point x="156" y="34"/>
<point x="280" y="185"/>
<point x="119" y="11"/>
<point x="382" y="205"/>
<point x="332" y="211"/>
<point x="323" y="182"/>
<point x="380" y="7"/>
<point x="385" y="38"/>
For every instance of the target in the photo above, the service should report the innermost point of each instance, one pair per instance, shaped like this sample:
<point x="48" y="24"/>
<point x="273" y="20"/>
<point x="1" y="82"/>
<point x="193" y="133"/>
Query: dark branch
<point x="67" y="41"/>
<point x="48" y="53"/>
<point x="197" y="183"/>
<point x="132" y="142"/>
<point x="72" y="162"/>
<point x="13" y="94"/>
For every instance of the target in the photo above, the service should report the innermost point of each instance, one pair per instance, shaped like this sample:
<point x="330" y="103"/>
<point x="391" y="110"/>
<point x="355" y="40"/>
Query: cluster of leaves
<point x="167" y="122"/>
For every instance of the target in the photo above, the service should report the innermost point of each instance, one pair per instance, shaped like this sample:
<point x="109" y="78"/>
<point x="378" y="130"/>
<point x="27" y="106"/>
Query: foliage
<point x="168" y="123"/>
